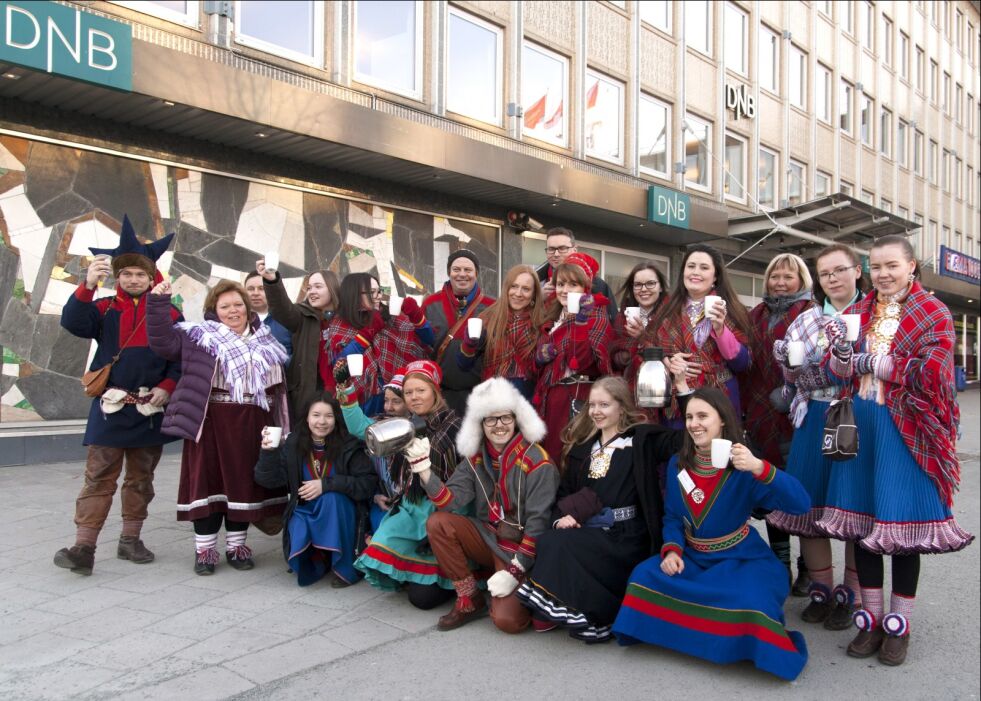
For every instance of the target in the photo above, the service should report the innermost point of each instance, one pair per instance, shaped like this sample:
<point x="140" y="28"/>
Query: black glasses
<point x="649" y="285"/>
<point x="491" y="421"/>
<point x="836" y="273"/>
<point x="562" y="250"/>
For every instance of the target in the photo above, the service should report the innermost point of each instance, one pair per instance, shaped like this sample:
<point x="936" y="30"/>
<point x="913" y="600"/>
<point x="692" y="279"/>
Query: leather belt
<point x="624" y="513"/>
<point x="575" y="380"/>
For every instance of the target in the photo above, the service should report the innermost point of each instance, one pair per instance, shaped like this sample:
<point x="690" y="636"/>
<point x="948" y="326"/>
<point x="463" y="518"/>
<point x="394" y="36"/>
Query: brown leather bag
<point x="94" y="381"/>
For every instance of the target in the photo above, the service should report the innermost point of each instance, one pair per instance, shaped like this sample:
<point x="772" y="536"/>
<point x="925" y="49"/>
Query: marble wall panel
<point x="609" y="35"/>
<point x="222" y="201"/>
<point x="555" y="20"/>
<point x="657" y="73"/>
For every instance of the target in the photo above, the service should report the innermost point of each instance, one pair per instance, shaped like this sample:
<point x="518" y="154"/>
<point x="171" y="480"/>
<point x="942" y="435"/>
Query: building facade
<point x="381" y="136"/>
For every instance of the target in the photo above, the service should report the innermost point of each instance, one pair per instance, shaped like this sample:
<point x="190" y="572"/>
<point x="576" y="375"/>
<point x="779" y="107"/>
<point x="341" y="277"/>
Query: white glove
<point x="417" y="453"/>
<point x="502" y="583"/>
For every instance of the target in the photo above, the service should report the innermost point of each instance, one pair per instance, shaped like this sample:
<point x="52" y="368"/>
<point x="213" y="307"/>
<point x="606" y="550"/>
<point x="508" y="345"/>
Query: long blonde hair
<point x="582" y="428"/>
<point x="497" y="316"/>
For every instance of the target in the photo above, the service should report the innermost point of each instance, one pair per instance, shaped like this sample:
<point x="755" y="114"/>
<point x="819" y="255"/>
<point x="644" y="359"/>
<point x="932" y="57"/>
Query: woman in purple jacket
<point x="231" y="386"/>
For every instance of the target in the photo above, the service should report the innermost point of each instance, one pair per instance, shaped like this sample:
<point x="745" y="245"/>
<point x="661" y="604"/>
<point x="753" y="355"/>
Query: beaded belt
<point x="712" y="545"/>
<point x="220" y="396"/>
<point x="624" y="513"/>
<point x="825" y="394"/>
<point x="575" y="380"/>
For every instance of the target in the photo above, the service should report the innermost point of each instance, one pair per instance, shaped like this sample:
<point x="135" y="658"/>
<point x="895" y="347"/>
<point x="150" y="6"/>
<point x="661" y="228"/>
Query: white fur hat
<point x="490" y="396"/>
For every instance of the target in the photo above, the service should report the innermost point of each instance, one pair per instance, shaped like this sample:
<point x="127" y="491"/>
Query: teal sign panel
<point x="667" y="206"/>
<point x="66" y="41"/>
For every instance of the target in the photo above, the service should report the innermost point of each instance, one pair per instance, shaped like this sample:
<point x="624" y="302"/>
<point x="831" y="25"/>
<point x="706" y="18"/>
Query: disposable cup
<point x="394" y="306"/>
<point x="474" y="327"/>
<point x="853" y="326"/>
<point x="273" y="436"/>
<point x="795" y="353"/>
<point x="572" y="302"/>
<point x="721" y="450"/>
<point x="632" y="312"/>
<point x="355" y="364"/>
<point x="711" y="301"/>
<point x="272" y="261"/>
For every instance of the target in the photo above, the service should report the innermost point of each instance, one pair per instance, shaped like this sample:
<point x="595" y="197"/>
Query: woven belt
<point x="825" y="394"/>
<point x="131" y="397"/>
<point x="575" y="380"/>
<point x="220" y="396"/>
<point x="712" y="545"/>
<point x="624" y="513"/>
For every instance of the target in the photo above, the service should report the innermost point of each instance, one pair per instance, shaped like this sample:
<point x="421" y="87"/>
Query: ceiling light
<point x="262" y="134"/>
<point x="10" y="75"/>
<point x="167" y="103"/>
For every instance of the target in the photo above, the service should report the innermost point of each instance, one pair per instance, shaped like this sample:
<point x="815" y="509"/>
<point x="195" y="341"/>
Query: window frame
<point x="666" y="175"/>
<point x="866" y="136"/>
<point x="902" y="143"/>
<point x="191" y="19"/>
<point x="708" y="155"/>
<point x="319" y="37"/>
<point x="846" y="88"/>
<point x="742" y="176"/>
<point x="801" y="179"/>
<point x="775" y="43"/>
<point x="566" y="90"/>
<point x="776" y="181"/>
<point x="887" y="40"/>
<point x="919" y="154"/>
<point x="709" y="28"/>
<point x="904" y="55"/>
<point x="920" y="68"/>
<point x="798" y="53"/>
<point x="885" y="132"/>
<point x="823" y="76"/>
<point x="667" y="4"/>
<point x="826" y="177"/>
<point x="727" y="10"/>
<point x="602" y="77"/>
<point x="868" y="33"/>
<point x="498" y="31"/>
<point x="418" y="59"/>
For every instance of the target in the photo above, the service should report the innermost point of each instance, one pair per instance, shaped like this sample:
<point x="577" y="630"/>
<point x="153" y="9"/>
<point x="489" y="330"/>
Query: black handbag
<point x="840" y="440"/>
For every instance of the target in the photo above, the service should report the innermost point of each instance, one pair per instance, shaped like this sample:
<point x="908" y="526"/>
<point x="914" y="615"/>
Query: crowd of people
<point x="534" y="488"/>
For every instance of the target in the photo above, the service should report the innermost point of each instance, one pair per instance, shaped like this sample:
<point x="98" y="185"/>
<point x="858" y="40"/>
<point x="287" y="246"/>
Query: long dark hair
<point x="862" y="284"/>
<point x="335" y="439"/>
<point x="731" y="427"/>
<point x="350" y="307"/>
<point x="627" y="298"/>
<point x="669" y="311"/>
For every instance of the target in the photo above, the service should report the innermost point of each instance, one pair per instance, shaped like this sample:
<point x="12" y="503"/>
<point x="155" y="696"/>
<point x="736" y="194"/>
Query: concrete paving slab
<point x="299" y="655"/>
<point x="66" y="679"/>
<point x="200" y="622"/>
<point x="134" y="650"/>
<point x="230" y="644"/>
<point x="203" y="685"/>
<point x="102" y="627"/>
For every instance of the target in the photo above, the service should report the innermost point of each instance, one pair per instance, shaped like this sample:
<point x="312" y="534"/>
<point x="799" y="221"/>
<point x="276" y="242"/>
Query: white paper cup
<point x="711" y="301"/>
<point x="572" y="300"/>
<point x="272" y="261"/>
<point x="273" y="436"/>
<point x="394" y="306"/>
<point x="795" y="353"/>
<point x="721" y="451"/>
<point x="355" y="364"/>
<point x="853" y="326"/>
<point x="473" y="328"/>
<point x="632" y="313"/>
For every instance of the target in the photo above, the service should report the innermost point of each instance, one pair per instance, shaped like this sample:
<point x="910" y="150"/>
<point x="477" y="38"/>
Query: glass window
<point x="920" y="67"/>
<point x="958" y="103"/>
<point x="845" y="107"/>
<point x="867" y="197"/>
<point x="797" y="65"/>
<point x="887" y="40"/>
<point x="958" y="25"/>
<point x="945" y="171"/>
<point x="698" y="139"/>
<point x="473" y="73"/>
<point x="653" y="142"/>
<point x="735" y="164"/>
<point x="822" y="93"/>
<point x="865" y="119"/>
<point x="846" y="16"/>
<point x="970" y="115"/>
<point x="698" y="25"/>
<point x="824" y="7"/>
<point x="885" y="204"/>
<point x="544" y="92"/>
<point x="902" y="212"/>
<point x="736" y="38"/>
<point x="902" y="134"/>
<point x="885" y="132"/>
<point x="918" y="152"/>
<point x="656" y="13"/>
<point x="903" y="55"/>
<point x="796" y="177"/>
<point x="845" y="188"/>
<point x="932" y="161"/>
<point x="604" y="118"/>
<point x="934" y="80"/>
<point x="970" y="190"/>
<point x="766" y="179"/>
<point x="970" y="42"/>
<point x="929" y="245"/>
<point x="822" y="184"/>
<point x="181" y="11"/>
<point x="290" y="28"/>
<point x="958" y="166"/>
<point x="388" y="45"/>
<point x="945" y="105"/>
<point x="769" y="60"/>
<point x="868" y="25"/>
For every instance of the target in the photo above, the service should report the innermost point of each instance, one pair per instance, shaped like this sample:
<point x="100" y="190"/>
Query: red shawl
<point x="503" y="357"/>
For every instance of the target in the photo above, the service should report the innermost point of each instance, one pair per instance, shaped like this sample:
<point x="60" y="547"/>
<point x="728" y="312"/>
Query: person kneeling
<point x="330" y="480"/>
<point x="511" y="483"/>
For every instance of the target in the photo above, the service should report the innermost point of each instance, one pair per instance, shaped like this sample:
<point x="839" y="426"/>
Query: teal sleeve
<point x="355" y="420"/>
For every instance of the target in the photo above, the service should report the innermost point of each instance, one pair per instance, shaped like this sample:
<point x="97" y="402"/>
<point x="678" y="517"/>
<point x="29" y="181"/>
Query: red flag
<point x="591" y="95"/>
<point x="555" y="119"/>
<point x="535" y="113"/>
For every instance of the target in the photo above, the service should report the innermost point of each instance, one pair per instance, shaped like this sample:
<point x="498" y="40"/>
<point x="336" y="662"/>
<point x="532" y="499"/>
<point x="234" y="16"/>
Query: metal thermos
<point x="389" y="436"/>
<point x="653" y="381"/>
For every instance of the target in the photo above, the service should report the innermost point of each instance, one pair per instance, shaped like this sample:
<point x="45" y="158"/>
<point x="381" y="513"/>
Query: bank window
<point x="887" y="40"/>
<point x="867" y="197"/>
<point x="904" y="55"/>
<point x="970" y="190"/>
<point x="918" y="152"/>
<point x="920" y="67"/>
<point x="653" y="142"/>
<point x="934" y="80"/>
<point x="822" y="93"/>
<point x="846" y="16"/>
<point x="474" y="68"/>
<point x="182" y="12"/>
<point x="845" y="188"/>
<point x="945" y="171"/>
<point x="822" y="184"/>
<point x="865" y="119"/>
<point x="797" y="65"/>
<point x="796" y="177"/>
<point x="945" y="233"/>
<point x="290" y="28"/>
<point x="698" y="25"/>
<point x="958" y="27"/>
<point x="656" y="13"/>
<point x="958" y="103"/>
<point x="945" y="105"/>
<point x="735" y="164"/>
<point x="958" y="167"/>
<point x="970" y="43"/>
<point x="885" y="204"/>
<point x="885" y="132"/>
<point x="930" y="243"/>
<point x="736" y="38"/>
<point x="544" y="94"/>
<point x="868" y="25"/>
<point x="698" y="167"/>
<point x="845" y="107"/>
<point x="388" y="45"/>
<point x="902" y="212"/>
<point x="824" y="7"/>
<point x="769" y="60"/>
<point x="902" y="136"/>
<point x="932" y="161"/>
<point x="970" y="115"/>
<point x="604" y="118"/>
<point x="766" y="176"/>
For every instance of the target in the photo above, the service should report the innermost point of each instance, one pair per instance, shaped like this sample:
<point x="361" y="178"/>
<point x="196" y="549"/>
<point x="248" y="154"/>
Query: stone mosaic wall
<point x="56" y="201"/>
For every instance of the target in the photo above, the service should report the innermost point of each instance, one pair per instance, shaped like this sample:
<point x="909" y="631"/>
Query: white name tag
<point x="687" y="483"/>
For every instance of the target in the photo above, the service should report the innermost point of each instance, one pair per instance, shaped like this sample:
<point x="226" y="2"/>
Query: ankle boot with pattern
<point x="466" y="609"/>
<point x="895" y="646"/>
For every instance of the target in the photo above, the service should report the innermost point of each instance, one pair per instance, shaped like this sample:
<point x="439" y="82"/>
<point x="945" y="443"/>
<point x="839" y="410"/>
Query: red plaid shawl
<point x="514" y="355"/>
<point x="920" y="395"/>
<point x="767" y="428"/>
<point x="392" y="349"/>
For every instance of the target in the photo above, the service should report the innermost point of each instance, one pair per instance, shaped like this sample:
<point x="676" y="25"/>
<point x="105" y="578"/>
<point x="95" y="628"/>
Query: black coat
<point x="353" y="475"/>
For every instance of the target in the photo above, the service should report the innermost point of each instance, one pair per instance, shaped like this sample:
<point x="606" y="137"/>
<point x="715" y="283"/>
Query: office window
<point x="845" y="188"/>
<point x="885" y="204"/>
<point x="544" y="94"/>
<point x="822" y="184"/>
<point x="958" y="27"/>
<point x="867" y="197"/>
<point x="945" y="105"/>
<point x="902" y="212"/>
<point x="918" y="152"/>
<point x="796" y="177"/>
<point x="656" y="13"/>
<point x="171" y="10"/>
<point x="917" y="239"/>
<point x="736" y="24"/>
<point x="769" y="60"/>
<point x="824" y="7"/>
<point x="735" y="174"/>
<point x="845" y="107"/>
<point x="293" y="29"/>
<point x="958" y="167"/>
<point x="474" y="85"/>
<point x="903" y="55"/>
<point x="868" y="25"/>
<point x="930" y="244"/>
<point x="797" y="65"/>
<point x="934" y="80"/>
<point x="902" y="134"/>
<point x="970" y="115"/>
<point x="932" y="161"/>
<point x="970" y="42"/>
<point x="654" y="120"/>
<point x="958" y="103"/>
<point x="822" y="93"/>
<point x="767" y="178"/>
<point x="885" y="132"/>
<point x="846" y="16"/>
<point x="698" y="165"/>
<point x="698" y="25"/>
<point x="604" y="118"/>
<point x="920" y="68"/>
<point x="946" y="241"/>
<point x="970" y="190"/>
<point x="866" y="113"/>
<point x="946" y="17"/>
<point x="388" y="45"/>
<point x="935" y="13"/>
<point x="887" y="40"/>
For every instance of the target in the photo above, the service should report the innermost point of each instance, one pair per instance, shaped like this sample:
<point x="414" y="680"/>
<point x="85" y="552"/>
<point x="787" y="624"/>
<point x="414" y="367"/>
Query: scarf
<point x="701" y="324"/>
<point x="779" y="306"/>
<point x="829" y="308"/>
<point x="513" y="355"/>
<point x="245" y="362"/>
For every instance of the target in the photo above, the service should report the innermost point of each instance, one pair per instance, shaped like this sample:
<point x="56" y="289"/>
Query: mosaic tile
<point x="222" y="201"/>
<point x="54" y="396"/>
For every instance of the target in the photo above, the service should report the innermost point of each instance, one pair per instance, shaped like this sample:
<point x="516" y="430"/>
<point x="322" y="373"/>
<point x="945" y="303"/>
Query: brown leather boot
<point x="78" y="558"/>
<point x="466" y="609"/>
<point x="893" y="650"/>
<point x="866" y="643"/>
<point x="131" y="548"/>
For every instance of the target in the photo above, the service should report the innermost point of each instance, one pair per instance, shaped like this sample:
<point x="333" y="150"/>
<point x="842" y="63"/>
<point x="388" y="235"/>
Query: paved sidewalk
<point x="158" y="631"/>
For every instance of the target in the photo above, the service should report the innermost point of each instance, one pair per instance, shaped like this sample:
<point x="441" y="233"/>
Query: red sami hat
<point x="427" y="368"/>
<point x="586" y="262"/>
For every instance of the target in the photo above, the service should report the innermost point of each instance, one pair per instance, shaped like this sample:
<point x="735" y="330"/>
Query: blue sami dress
<point x="322" y="533"/>
<point x="727" y="603"/>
